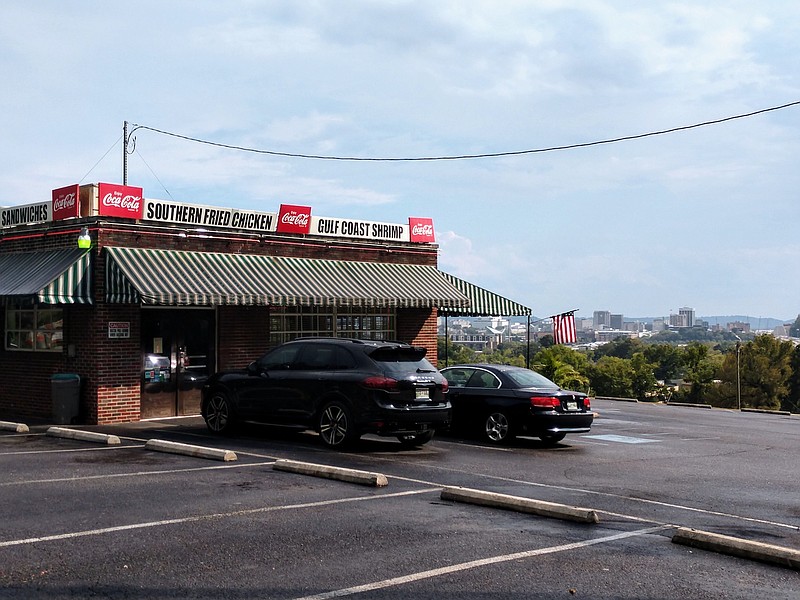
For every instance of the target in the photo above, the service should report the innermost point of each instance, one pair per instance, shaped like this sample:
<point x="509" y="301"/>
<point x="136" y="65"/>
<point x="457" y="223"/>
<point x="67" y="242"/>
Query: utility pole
<point x="124" y="153"/>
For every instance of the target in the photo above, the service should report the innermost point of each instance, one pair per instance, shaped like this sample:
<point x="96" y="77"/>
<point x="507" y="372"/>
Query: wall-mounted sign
<point x="120" y="201"/>
<point x="421" y="230"/>
<point x="65" y="202"/>
<point x="207" y="216"/>
<point x="40" y="212"/>
<point x="351" y="228"/>
<point x="294" y="219"/>
<point x="119" y="330"/>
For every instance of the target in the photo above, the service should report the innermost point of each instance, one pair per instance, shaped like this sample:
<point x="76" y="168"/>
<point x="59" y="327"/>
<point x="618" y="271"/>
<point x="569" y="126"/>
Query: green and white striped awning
<point x="47" y="277"/>
<point x="482" y="302"/>
<point x="183" y="278"/>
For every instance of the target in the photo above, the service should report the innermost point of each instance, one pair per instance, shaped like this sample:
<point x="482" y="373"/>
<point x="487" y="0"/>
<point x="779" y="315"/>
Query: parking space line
<point x="65" y="450"/>
<point x="473" y="564"/>
<point x="196" y="518"/>
<point x="136" y="474"/>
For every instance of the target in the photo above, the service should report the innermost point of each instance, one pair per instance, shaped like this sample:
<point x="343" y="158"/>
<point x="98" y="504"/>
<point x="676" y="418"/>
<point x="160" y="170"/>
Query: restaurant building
<point x="140" y="300"/>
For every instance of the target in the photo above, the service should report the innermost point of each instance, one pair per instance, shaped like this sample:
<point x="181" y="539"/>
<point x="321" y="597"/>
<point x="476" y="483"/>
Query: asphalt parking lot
<point x="86" y="518"/>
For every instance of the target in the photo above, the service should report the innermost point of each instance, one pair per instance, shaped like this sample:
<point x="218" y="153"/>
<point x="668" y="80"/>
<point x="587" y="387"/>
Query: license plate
<point x="423" y="394"/>
<point x="572" y="406"/>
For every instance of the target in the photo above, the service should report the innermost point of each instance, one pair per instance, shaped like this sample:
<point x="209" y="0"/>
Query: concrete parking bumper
<point x="190" y="450"/>
<point x="85" y="436"/>
<point x="339" y="473"/>
<point x="15" y="427"/>
<point x="767" y="553"/>
<point x="519" y="504"/>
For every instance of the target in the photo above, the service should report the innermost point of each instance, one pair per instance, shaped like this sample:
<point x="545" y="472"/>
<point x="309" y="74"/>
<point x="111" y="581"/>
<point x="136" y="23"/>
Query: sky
<point x="705" y="217"/>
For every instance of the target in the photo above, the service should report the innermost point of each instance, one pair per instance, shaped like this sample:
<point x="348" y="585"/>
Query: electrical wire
<point x="473" y="156"/>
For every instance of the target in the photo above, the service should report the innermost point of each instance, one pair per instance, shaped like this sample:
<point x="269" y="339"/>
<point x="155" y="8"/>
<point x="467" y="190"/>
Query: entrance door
<point x="178" y="356"/>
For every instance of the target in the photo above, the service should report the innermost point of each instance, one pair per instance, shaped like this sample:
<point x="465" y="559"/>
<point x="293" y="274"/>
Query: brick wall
<point x="418" y="326"/>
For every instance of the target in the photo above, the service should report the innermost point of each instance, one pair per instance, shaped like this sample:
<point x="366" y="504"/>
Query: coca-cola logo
<point x="295" y="218"/>
<point x="131" y="203"/>
<point x="64" y="202"/>
<point x="425" y="230"/>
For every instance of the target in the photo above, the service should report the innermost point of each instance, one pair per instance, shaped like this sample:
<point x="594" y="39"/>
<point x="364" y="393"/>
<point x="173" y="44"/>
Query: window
<point x="290" y="322"/>
<point x="34" y="329"/>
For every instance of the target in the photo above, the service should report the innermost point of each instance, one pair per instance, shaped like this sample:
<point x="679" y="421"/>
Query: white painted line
<point x="622" y="439"/>
<point x="190" y="450"/>
<point x="136" y="474"/>
<point x="15" y="427"/>
<point x="474" y="564"/>
<point x="85" y="436"/>
<point x="67" y="450"/>
<point x="194" y="519"/>
<point x="339" y="473"/>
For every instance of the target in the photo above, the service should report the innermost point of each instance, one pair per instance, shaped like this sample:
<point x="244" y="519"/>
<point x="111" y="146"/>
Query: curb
<point x="86" y="436"/>
<point x="526" y="505"/>
<point x="15" y="427"/>
<point x="616" y="399"/>
<point x="190" y="450"/>
<point x="764" y="411"/>
<point x="339" y="473"/>
<point x="768" y="553"/>
<point x="685" y="404"/>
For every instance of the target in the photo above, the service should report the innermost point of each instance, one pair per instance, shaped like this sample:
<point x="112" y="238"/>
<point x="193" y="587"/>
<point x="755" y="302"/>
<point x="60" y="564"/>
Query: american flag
<point x="564" y="328"/>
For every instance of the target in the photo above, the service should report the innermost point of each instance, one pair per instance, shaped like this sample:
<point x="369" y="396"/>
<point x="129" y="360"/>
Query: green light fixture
<point x="84" y="239"/>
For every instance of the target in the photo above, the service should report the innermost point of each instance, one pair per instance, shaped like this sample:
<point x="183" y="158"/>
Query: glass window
<point x="291" y="322"/>
<point x="34" y="328"/>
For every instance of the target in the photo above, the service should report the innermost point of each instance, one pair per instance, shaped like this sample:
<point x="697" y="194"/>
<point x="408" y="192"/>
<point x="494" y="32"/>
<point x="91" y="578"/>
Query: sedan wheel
<point x="336" y="427"/>
<point x="497" y="428"/>
<point x="219" y="414"/>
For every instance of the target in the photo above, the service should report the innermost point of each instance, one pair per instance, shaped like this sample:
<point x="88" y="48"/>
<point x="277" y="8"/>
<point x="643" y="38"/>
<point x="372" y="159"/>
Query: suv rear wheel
<point x="336" y="426"/>
<point x="218" y="414"/>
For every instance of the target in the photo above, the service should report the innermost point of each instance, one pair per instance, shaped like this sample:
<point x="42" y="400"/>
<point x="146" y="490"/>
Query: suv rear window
<point x="402" y="360"/>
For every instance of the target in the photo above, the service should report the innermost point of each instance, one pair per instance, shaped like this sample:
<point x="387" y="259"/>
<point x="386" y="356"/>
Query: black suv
<point x="342" y="388"/>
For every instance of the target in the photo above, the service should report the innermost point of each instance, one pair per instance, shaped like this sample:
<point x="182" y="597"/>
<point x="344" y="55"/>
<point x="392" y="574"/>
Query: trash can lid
<point x="65" y="376"/>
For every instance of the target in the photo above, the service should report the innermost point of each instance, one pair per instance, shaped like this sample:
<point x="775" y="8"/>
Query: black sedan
<point x="500" y="402"/>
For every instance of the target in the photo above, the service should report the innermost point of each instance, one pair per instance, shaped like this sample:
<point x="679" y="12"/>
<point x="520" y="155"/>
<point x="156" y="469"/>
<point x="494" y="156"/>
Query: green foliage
<point x="612" y="376"/>
<point x="564" y="366"/>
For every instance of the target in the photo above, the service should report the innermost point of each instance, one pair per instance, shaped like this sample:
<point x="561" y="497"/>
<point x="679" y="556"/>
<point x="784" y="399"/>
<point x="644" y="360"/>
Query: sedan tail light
<point x="587" y="402"/>
<point x="381" y="383"/>
<point x="545" y="401"/>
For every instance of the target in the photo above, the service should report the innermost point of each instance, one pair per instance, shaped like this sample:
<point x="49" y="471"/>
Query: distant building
<point x="601" y="319"/>
<point x="615" y="321"/>
<point x="689" y="314"/>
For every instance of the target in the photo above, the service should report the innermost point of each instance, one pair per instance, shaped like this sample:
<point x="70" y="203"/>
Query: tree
<point x="612" y="376"/>
<point x="700" y="369"/>
<point x="792" y="401"/>
<point x="644" y="382"/>
<point x="766" y="368"/>
<point x="564" y="366"/>
<point x="667" y="360"/>
<point x="621" y="347"/>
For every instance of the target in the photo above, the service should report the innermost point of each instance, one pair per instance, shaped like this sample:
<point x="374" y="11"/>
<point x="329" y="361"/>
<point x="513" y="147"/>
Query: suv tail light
<point x="545" y="401"/>
<point x="445" y="386"/>
<point x="380" y="383"/>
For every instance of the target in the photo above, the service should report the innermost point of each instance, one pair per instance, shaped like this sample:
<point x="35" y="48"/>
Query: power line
<point x="473" y="156"/>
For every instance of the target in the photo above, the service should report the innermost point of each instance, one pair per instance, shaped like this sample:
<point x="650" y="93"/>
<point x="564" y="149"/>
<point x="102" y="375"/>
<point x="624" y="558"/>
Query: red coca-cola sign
<point x="421" y="230"/>
<point x="294" y="219"/>
<point x="65" y="202"/>
<point x="120" y="201"/>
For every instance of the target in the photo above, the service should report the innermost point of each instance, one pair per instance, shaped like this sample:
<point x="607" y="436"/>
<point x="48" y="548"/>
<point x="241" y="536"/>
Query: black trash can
<point x="66" y="394"/>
